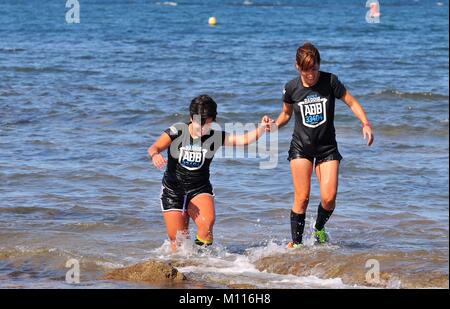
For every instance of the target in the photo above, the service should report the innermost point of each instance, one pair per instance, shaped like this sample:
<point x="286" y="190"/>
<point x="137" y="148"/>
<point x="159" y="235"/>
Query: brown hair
<point x="204" y="106"/>
<point x="307" y="56"/>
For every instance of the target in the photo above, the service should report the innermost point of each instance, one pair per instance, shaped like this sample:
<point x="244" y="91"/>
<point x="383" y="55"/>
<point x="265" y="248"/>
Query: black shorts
<point x="173" y="199"/>
<point x="295" y="153"/>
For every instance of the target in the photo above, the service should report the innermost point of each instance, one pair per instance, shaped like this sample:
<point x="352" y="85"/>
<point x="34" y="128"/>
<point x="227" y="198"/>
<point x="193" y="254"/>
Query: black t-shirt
<point x="188" y="159"/>
<point x="314" y="132"/>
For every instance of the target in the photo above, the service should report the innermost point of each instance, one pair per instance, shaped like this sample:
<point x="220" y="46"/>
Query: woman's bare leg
<point x="176" y="222"/>
<point x="201" y="210"/>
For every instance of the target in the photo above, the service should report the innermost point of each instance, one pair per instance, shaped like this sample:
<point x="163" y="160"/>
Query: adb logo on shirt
<point x="313" y="110"/>
<point x="192" y="157"/>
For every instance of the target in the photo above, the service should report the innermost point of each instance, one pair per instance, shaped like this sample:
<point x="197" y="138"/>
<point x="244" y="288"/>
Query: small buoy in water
<point x="212" y="21"/>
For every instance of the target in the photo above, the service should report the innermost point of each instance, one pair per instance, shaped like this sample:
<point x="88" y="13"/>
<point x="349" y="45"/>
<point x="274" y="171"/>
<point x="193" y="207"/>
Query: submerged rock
<point x="148" y="272"/>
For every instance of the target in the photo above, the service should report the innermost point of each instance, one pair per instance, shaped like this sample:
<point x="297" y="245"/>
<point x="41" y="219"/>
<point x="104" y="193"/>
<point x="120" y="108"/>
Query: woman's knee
<point x="205" y="222"/>
<point x="301" y="201"/>
<point x="328" y="201"/>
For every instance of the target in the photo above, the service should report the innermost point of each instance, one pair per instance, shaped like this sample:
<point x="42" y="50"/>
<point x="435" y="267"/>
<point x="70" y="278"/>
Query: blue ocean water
<point x="80" y="103"/>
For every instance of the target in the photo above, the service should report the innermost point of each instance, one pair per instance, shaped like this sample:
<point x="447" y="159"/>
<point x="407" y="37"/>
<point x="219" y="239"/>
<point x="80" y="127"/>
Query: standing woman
<point x="311" y="96"/>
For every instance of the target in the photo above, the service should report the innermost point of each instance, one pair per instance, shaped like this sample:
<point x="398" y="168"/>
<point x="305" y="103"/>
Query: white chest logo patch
<point x="192" y="157"/>
<point x="314" y="112"/>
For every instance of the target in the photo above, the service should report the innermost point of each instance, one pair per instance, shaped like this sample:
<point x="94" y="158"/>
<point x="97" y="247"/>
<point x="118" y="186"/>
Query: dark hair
<point x="204" y="106"/>
<point x="307" y="56"/>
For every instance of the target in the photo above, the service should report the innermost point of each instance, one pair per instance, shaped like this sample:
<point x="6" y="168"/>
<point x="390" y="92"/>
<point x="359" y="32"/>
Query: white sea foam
<point x="109" y="264"/>
<point x="217" y="265"/>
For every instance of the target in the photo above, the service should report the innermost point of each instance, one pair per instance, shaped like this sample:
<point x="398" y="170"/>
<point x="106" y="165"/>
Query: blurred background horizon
<point x="81" y="103"/>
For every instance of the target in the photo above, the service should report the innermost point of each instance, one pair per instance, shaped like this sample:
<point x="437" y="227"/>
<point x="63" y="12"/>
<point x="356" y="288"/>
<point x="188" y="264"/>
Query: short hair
<point x="307" y="56"/>
<point x="204" y="106"/>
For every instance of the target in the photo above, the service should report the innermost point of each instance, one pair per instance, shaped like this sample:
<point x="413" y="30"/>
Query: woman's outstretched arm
<point x="249" y="137"/>
<point x="357" y="109"/>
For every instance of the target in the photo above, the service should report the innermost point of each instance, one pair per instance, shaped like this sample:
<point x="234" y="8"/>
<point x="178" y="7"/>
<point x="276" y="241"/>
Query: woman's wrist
<point x="366" y="124"/>
<point x="153" y="154"/>
<point x="261" y="127"/>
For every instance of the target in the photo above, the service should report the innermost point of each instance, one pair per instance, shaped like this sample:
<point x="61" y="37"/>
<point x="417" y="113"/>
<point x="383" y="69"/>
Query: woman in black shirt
<point x="311" y="97"/>
<point x="186" y="191"/>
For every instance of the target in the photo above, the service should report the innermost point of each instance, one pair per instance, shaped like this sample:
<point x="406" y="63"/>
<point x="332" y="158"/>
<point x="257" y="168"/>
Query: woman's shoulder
<point x="177" y="129"/>
<point x="292" y="84"/>
<point x="329" y="79"/>
<point x="216" y="132"/>
<point x="328" y="76"/>
<point x="216" y="136"/>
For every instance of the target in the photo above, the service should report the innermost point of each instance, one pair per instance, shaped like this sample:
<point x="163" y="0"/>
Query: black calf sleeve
<point x="297" y="227"/>
<point x="322" y="217"/>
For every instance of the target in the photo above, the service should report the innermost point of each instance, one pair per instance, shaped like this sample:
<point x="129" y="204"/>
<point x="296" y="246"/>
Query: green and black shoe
<point x="321" y="236"/>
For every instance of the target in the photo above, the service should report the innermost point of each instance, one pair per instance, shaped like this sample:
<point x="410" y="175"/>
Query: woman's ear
<point x="297" y="67"/>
